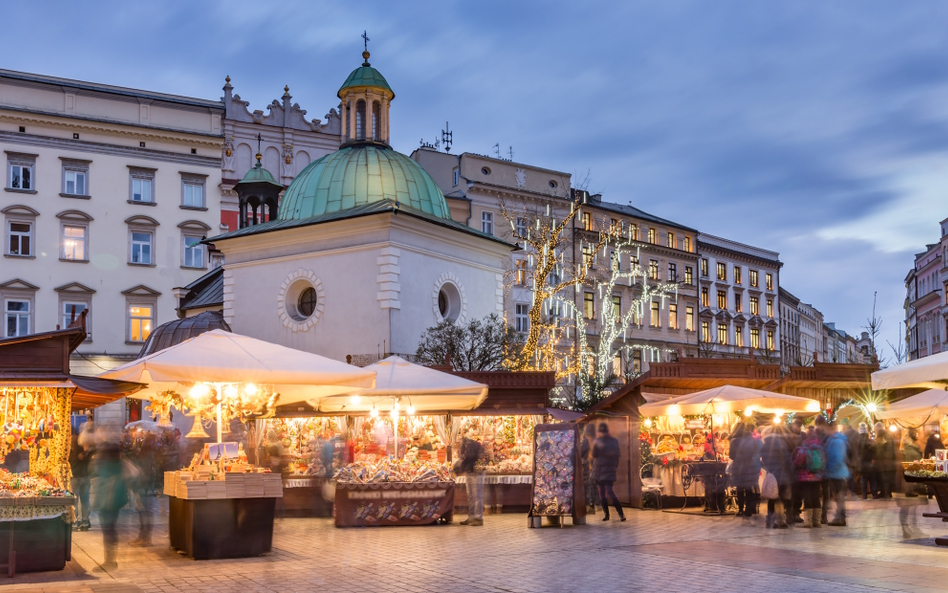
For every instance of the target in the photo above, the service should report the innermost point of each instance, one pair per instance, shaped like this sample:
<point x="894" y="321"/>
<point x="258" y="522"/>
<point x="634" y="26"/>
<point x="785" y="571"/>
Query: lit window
<point x="704" y="267"/>
<point x="520" y="272"/>
<point x="617" y="365"/>
<point x="705" y="331"/>
<point x="522" y="317"/>
<point x="755" y="337"/>
<point x="656" y="317"/>
<point x="141" y="247"/>
<point x="74" y="182"/>
<point x="739" y="336"/>
<point x="71" y="312"/>
<point x="722" y="299"/>
<point x="589" y="305"/>
<point x="671" y="239"/>
<point x="589" y="257"/>
<point x="652" y="236"/>
<point x="17" y="318"/>
<point x="755" y="305"/>
<point x="487" y="223"/>
<point x="689" y="275"/>
<point x="74" y="243"/>
<point x="672" y="272"/>
<point x="653" y="269"/>
<point x="139" y="322"/>
<point x="688" y="244"/>
<point x="722" y="271"/>
<point x="737" y="274"/>
<point x="753" y="278"/>
<point x="634" y="232"/>
<point x="738" y="302"/>
<point x="770" y="340"/>
<point x="673" y="316"/>
<point x="193" y="252"/>
<point x="690" y="319"/>
<point x="705" y="299"/>
<point x="587" y="221"/>
<point x="636" y="361"/>
<point x="21" y="238"/>
<point x="193" y="195"/>
<point x="722" y="334"/>
<point x="770" y="308"/>
<point x="770" y="281"/>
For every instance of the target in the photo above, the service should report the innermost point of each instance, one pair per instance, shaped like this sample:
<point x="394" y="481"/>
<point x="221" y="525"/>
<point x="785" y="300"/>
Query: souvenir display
<point x="418" y="438"/>
<point x="553" y="486"/>
<point x="391" y="470"/>
<point x="27" y="486"/>
<point x="306" y="446"/>
<point x="507" y="442"/>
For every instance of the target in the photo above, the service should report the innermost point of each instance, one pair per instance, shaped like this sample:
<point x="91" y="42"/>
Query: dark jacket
<point x="605" y="455"/>
<point x="865" y="452"/>
<point x="470" y="451"/>
<point x="884" y="454"/>
<point x="79" y="460"/>
<point x="775" y="457"/>
<point x="109" y="489"/>
<point x="745" y="461"/>
<point x="931" y="445"/>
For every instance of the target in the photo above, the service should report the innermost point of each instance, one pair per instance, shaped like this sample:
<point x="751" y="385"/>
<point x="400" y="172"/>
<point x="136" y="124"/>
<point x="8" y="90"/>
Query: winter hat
<point x="863" y="429"/>
<point x="878" y="426"/>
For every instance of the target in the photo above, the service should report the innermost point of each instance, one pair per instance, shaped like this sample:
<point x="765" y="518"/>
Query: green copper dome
<point x="365" y="75"/>
<point x="359" y="175"/>
<point x="257" y="174"/>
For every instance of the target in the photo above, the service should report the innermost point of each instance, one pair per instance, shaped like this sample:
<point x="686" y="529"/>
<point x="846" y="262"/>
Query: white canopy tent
<point x="928" y="404"/>
<point x="930" y="372"/>
<point x="730" y="398"/>
<point x="421" y="388"/>
<point x="223" y="357"/>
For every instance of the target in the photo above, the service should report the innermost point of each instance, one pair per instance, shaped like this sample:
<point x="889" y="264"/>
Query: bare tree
<point x="874" y="327"/>
<point x="900" y="352"/>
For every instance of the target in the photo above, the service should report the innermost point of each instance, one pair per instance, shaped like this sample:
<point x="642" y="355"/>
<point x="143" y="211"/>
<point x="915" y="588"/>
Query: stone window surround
<point x="136" y="172"/>
<point x="78" y="165"/>
<point x="142" y="224"/>
<point x="188" y="178"/>
<point x="193" y="229"/>
<point x="23" y="159"/>
<point x="74" y="218"/>
<point x="18" y="290"/>
<point x="22" y="214"/>
<point x="139" y="295"/>
<point x="77" y="293"/>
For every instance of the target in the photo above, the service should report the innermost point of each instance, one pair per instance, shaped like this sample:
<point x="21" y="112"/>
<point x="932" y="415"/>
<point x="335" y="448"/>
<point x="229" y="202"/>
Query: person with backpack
<point x="837" y="475"/>
<point x="809" y="462"/>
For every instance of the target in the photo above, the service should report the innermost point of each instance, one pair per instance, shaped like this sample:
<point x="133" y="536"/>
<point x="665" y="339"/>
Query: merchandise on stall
<point x="558" y="488"/>
<point x="507" y="442"/>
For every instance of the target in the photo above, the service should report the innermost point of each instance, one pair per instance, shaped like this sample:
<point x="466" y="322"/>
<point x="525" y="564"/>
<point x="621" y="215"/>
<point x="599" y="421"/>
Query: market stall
<point x="221" y="506"/>
<point x="685" y="438"/>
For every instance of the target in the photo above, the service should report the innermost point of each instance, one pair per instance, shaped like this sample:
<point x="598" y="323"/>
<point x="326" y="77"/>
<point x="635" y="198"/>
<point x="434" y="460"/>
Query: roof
<point x="258" y="174"/>
<point x="358" y="175"/>
<point x="176" y="331"/>
<point x="380" y="207"/>
<point x="365" y="75"/>
<point x="110" y="89"/>
<point x="206" y="291"/>
<point x="635" y="213"/>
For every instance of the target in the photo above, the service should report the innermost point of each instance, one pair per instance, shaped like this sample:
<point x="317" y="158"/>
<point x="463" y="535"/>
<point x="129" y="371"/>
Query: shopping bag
<point x="769" y="489"/>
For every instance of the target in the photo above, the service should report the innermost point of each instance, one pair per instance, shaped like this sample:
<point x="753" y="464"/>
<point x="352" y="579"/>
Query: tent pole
<point x="219" y="428"/>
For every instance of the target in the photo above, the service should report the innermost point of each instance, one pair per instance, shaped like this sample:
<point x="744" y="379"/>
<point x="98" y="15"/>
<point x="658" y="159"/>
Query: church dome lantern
<point x="258" y="194"/>
<point x="366" y="98"/>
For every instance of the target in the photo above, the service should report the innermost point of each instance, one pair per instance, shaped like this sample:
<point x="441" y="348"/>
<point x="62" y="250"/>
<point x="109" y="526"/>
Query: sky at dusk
<point x="815" y="129"/>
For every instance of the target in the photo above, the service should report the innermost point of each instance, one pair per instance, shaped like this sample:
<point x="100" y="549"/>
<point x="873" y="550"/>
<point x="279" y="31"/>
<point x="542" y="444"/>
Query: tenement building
<point x="789" y="329"/>
<point x="926" y="307"/>
<point x="108" y="192"/>
<point x="738" y="299"/>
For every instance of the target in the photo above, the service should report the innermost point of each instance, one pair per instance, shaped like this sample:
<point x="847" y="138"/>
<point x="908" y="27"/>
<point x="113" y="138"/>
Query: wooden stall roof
<point x="42" y="360"/>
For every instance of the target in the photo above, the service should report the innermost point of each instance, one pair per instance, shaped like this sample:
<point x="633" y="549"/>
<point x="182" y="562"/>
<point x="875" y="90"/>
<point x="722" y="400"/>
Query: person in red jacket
<point x="809" y="463"/>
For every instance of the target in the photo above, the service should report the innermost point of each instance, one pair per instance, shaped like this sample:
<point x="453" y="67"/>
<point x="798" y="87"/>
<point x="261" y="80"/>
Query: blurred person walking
<point x="775" y="458"/>
<point x="585" y="451"/>
<point x="142" y="476"/>
<point x="837" y="475"/>
<point x="809" y="462"/>
<point x="908" y="518"/>
<point x="474" y="481"/>
<point x="109" y="492"/>
<point x="868" y="484"/>
<point x="745" y="468"/>
<point x="80" y="453"/>
<point x="795" y="439"/>
<point x="605" y="455"/>
<point x="883" y="461"/>
<point x="850" y="433"/>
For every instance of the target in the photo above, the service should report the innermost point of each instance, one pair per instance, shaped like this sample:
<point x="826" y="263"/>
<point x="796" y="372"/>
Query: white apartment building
<point x="926" y="303"/>
<point x="107" y="193"/>
<point x="811" y="334"/>
<point x="738" y="297"/>
<point x="789" y="330"/>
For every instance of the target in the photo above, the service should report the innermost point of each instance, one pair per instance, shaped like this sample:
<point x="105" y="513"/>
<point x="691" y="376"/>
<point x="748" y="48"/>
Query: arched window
<point x="348" y="121"/>
<point x="376" y="120"/>
<point x="360" y="120"/>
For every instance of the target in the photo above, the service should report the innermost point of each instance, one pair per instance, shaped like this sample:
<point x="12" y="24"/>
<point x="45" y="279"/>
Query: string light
<point x="355" y="399"/>
<point x="374" y="413"/>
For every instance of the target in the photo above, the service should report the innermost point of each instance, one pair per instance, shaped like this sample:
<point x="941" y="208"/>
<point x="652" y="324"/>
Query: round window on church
<point x="449" y="302"/>
<point x="306" y="303"/>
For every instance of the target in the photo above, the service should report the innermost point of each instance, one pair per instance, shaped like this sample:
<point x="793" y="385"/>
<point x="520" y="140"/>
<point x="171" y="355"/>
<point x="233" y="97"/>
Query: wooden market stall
<point x="37" y="395"/>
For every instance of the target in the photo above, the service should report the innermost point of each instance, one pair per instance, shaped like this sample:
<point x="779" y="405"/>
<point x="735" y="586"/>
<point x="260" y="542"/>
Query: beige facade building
<point x="107" y="194"/>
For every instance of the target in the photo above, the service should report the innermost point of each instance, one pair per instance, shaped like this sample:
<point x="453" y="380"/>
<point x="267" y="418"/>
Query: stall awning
<point x="930" y="372"/>
<point x="730" y="398"/>
<point x="88" y="392"/>
<point x="928" y="404"/>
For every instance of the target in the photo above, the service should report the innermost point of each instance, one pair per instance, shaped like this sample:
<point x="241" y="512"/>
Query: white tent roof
<point x="730" y="398"/>
<point x="423" y="388"/>
<point x="932" y="403"/>
<point x="931" y="371"/>
<point x="219" y="356"/>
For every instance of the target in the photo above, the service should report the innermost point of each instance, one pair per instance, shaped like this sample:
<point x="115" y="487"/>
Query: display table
<point x="502" y="492"/>
<point x="672" y="484"/>
<point x="939" y="487"/>
<point x="305" y="496"/>
<point x="36" y="533"/>
<point x="221" y="528"/>
<point x="393" y="503"/>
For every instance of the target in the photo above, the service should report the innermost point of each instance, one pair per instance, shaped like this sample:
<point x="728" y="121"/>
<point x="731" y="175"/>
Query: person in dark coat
<point x="585" y="449"/>
<point x="474" y="481"/>
<point x="868" y="483"/>
<point x="932" y="444"/>
<point x="79" y="458"/>
<point x="884" y="460"/>
<point x="745" y="467"/>
<point x="109" y="492"/>
<point x="775" y="458"/>
<point x="605" y="455"/>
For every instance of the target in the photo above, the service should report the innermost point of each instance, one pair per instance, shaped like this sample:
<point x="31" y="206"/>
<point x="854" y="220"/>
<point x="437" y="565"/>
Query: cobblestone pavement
<point x="652" y="551"/>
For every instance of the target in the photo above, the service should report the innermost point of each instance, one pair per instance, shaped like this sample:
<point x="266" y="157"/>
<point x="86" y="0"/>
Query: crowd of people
<point x="803" y="472"/>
